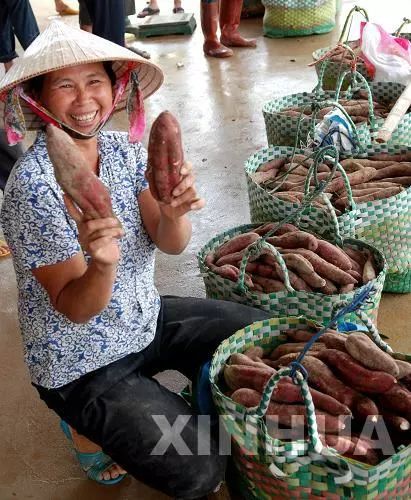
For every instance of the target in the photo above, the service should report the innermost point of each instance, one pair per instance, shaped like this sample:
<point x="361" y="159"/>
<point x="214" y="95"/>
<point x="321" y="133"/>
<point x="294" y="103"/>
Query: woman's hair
<point x="36" y="84"/>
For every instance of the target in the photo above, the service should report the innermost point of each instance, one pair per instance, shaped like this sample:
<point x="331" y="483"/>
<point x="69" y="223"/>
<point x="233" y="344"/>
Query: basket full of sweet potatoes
<point x="295" y="115"/>
<point x="288" y="271"/>
<point x="370" y="195"/>
<point x="342" y="430"/>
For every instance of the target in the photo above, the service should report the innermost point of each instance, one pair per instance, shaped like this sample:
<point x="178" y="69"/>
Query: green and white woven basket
<point x="385" y="224"/>
<point x="266" y="207"/>
<point x="285" y="18"/>
<point x="282" y="130"/>
<point x="269" y="468"/>
<point x="289" y="302"/>
<point x="334" y="70"/>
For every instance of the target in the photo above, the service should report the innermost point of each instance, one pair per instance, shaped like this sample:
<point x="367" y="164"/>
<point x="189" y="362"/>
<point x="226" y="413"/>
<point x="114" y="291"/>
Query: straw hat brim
<point x="61" y="46"/>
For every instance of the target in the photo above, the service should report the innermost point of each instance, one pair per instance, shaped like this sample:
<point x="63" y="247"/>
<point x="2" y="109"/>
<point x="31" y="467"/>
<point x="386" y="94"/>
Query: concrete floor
<point x="218" y="103"/>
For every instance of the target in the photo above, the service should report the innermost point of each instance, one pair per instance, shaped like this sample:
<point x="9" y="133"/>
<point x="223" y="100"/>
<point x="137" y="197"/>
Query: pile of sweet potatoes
<point x="377" y="177"/>
<point x="357" y="108"/>
<point x="313" y="264"/>
<point x="352" y="382"/>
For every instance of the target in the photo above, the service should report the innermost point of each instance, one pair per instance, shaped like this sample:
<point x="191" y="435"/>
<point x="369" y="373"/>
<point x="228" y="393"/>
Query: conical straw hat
<point x="60" y="46"/>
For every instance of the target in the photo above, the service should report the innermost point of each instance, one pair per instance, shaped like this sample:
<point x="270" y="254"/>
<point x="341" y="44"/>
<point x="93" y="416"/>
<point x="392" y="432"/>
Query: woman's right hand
<point x="97" y="237"/>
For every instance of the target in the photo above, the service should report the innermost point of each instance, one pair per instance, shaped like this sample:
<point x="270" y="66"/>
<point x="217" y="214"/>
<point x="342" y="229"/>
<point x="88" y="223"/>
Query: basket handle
<point x="405" y="21"/>
<point x="256" y="249"/>
<point x="371" y="328"/>
<point x="348" y="22"/>
<point x="357" y="82"/>
<point x="313" y="171"/>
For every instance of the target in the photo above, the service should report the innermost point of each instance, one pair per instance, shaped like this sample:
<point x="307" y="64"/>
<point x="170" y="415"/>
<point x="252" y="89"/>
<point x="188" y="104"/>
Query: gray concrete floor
<point x="218" y="103"/>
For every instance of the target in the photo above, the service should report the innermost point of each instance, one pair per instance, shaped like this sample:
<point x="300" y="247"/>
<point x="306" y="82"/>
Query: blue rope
<point x="359" y="299"/>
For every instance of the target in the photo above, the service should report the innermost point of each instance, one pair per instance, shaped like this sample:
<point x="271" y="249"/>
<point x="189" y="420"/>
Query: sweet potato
<point x="394" y="170"/>
<point x="366" y="352"/>
<point x="269" y="165"/>
<point x="369" y="162"/>
<point x="262" y="177"/>
<point x="165" y="156"/>
<point x="236" y="244"/>
<point x="75" y="177"/>
<point x="324" y="268"/>
<point x="322" y="378"/>
<point x="357" y="376"/>
<point x="287" y="392"/>
<point x="397" y="400"/>
<point x="379" y="194"/>
<point x="253" y="377"/>
<point x="269" y="285"/>
<point x="351" y="447"/>
<point x="404" y="181"/>
<point x="368" y="272"/>
<point x="329" y="288"/>
<point x="295" y="239"/>
<point x="254" y="352"/>
<point x="231" y="258"/>
<point x="288" y="348"/>
<point x="347" y="288"/>
<point x="304" y="269"/>
<point x="285" y="414"/>
<point x="331" y="253"/>
<point x="377" y="184"/>
<point x="239" y="358"/>
<point x="404" y="368"/>
<point x="285" y="228"/>
<point x="331" y="338"/>
<point x="395" y="422"/>
<point x="296" y="282"/>
<point x="358" y="177"/>
<point x="406" y="382"/>
<point x="287" y="197"/>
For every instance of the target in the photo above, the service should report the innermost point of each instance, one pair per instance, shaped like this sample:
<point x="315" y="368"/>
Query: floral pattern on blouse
<point x="40" y="232"/>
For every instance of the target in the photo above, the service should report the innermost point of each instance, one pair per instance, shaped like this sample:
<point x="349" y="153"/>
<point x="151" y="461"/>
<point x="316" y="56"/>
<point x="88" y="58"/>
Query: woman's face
<point x="79" y="96"/>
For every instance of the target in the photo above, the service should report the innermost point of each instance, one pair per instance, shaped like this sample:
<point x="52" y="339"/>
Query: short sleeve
<point x="36" y="224"/>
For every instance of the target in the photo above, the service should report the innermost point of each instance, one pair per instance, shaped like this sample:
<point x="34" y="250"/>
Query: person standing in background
<point x="227" y="13"/>
<point x="153" y="8"/>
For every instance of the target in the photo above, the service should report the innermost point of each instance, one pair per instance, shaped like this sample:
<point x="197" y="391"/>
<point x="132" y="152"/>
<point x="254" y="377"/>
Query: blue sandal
<point x="93" y="464"/>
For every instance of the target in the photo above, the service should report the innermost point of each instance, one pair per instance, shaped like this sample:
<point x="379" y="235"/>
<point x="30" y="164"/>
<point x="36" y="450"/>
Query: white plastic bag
<point x="388" y="58"/>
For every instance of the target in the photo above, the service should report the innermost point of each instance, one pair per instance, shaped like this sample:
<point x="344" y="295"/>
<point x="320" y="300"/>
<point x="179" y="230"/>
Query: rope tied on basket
<point x="360" y="300"/>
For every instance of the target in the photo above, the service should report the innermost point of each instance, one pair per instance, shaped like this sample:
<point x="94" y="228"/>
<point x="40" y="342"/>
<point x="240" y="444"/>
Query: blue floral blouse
<point x="40" y="232"/>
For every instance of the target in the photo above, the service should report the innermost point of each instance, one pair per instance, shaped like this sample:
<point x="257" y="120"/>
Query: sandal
<point x="93" y="464"/>
<point x="178" y="10"/>
<point x="148" y="11"/>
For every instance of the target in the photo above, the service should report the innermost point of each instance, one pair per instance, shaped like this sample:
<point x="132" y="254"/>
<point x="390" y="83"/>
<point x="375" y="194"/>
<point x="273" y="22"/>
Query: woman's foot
<point x="84" y="445"/>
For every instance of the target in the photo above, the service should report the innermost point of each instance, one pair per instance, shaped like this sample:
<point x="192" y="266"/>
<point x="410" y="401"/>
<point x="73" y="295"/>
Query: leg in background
<point x="230" y="16"/>
<point x="209" y="24"/>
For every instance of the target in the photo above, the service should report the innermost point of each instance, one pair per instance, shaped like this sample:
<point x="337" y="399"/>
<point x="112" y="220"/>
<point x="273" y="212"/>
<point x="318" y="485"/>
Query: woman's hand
<point x="185" y="196"/>
<point x="98" y="237"/>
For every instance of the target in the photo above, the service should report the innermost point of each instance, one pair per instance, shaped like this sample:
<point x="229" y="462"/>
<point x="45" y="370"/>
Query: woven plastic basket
<point x="285" y="18"/>
<point x="282" y="130"/>
<point x="268" y="468"/>
<point x="289" y="302"/>
<point x="334" y="69"/>
<point x="385" y="224"/>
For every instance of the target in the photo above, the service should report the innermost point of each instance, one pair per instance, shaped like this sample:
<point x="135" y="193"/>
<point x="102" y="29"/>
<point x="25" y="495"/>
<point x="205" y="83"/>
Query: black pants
<point x="128" y="413"/>
<point x="16" y="19"/>
<point x="107" y="18"/>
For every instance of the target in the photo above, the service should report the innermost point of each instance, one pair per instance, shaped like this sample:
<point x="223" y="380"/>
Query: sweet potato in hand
<point x="75" y="177"/>
<point x="165" y="156"/>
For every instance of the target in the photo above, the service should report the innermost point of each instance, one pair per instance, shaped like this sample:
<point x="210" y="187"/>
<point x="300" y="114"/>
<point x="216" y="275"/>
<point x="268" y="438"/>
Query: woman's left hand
<point x="185" y="197"/>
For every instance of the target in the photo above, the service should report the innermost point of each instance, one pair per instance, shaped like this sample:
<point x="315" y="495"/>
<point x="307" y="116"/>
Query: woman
<point x="94" y="327"/>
